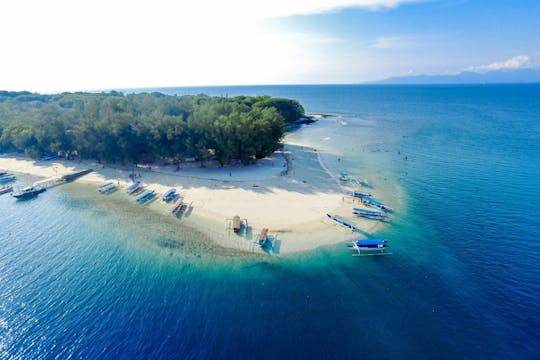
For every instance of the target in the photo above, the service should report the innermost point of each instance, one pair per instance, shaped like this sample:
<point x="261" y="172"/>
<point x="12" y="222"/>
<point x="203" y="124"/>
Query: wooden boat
<point x="179" y="209"/>
<point x="134" y="187"/>
<point x="359" y="194"/>
<point x="369" y="214"/>
<point x="368" y="200"/>
<point x="263" y="238"/>
<point x="237" y="224"/>
<point x="342" y="222"/>
<point x="367" y="247"/>
<point x="6" y="189"/>
<point x="169" y="195"/>
<point x="107" y="187"/>
<point x="371" y="202"/>
<point x="146" y="196"/>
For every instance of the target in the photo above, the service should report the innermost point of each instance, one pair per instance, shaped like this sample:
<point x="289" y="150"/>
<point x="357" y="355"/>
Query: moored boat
<point x="107" y="187"/>
<point x="6" y="189"/>
<point x="368" y="200"/>
<point x="371" y="202"/>
<point x="146" y="196"/>
<point x="179" y="209"/>
<point x="359" y="194"/>
<point x="236" y="223"/>
<point x="169" y="194"/>
<point x="342" y="222"/>
<point x="263" y="240"/>
<point x="134" y="187"/>
<point x="369" y="214"/>
<point x="369" y="246"/>
<point x="28" y="192"/>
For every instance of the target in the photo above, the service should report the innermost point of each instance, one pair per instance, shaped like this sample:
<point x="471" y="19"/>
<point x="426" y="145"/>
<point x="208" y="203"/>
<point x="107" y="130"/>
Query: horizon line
<point x="371" y="83"/>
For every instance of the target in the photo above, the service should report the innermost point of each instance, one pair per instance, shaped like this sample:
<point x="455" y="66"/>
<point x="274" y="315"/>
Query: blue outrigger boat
<point x="342" y="222"/>
<point x="370" y="201"/>
<point x="359" y="194"/>
<point x="169" y="195"/>
<point x="133" y="187"/>
<point x="107" y="187"/>
<point x="146" y="196"/>
<point x="368" y="247"/>
<point x="369" y="214"/>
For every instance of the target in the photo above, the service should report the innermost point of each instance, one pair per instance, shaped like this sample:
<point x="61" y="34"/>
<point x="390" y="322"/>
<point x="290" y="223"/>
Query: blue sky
<point x="62" y="45"/>
<point x="431" y="37"/>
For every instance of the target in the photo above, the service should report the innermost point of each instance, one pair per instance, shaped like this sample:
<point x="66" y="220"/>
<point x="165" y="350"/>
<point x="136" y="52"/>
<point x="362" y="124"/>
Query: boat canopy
<point x="370" y="242"/>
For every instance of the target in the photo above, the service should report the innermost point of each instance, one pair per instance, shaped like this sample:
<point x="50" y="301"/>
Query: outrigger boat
<point x="169" y="195"/>
<point x="179" y="208"/>
<point x="146" y="196"/>
<point x="359" y="194"/>
<point x="6" y="189"/>
<point x="369" y="214"/>
<point x="263" y="240"/>
<point x="368" y="247"/>
<point x="342" y="222"/>
<point x="134" y="187"/>
<point x="107" y="187"/>
<point x="369" y="201"/>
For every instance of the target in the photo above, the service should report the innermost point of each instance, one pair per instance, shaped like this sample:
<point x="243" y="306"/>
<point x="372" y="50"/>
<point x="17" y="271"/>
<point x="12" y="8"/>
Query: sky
<point x="66" y="45"/>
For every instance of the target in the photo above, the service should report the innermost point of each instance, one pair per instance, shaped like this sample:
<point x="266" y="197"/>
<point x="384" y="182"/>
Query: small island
<point x="226" y="157"/>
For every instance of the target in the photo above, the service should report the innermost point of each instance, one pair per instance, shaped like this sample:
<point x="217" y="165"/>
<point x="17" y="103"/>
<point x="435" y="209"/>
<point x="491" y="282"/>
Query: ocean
<point x="82" y="276"/>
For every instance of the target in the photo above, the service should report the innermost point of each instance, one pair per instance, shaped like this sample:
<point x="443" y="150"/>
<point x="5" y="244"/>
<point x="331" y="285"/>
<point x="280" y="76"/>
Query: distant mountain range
<point x="469" y="77"/>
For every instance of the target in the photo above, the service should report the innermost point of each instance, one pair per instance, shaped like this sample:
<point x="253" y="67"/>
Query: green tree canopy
<point x="145" y="127"/>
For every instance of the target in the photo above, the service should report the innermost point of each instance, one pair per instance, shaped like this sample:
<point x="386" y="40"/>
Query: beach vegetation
<point x="145" y="127"/>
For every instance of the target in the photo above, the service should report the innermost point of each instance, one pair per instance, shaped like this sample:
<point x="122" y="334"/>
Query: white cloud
<point x="279" y="8"/>
<point x="516" y="62"/>
<point x="59" y="45"/>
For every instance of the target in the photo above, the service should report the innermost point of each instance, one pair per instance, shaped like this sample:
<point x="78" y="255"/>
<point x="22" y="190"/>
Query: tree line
<point x="133" y="128"/>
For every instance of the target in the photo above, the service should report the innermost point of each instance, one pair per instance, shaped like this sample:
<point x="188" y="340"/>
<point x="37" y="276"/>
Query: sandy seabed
<point x="289" y="193"/>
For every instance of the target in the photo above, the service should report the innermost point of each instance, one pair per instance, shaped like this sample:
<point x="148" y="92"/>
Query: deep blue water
<point x="85" y="277"/>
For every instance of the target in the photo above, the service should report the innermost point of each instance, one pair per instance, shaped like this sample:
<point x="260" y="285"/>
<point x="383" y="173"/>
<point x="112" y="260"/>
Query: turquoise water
<point x="89" y="276"/>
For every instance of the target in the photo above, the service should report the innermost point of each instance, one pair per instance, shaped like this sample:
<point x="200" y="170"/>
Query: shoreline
<point x="291" y="206"/>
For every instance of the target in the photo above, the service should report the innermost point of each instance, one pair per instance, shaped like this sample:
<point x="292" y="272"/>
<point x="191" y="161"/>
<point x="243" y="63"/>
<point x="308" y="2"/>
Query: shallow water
<point x="89" y="276"/>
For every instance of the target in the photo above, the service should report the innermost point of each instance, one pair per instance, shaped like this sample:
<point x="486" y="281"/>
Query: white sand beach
<point x="292" y="206"/>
